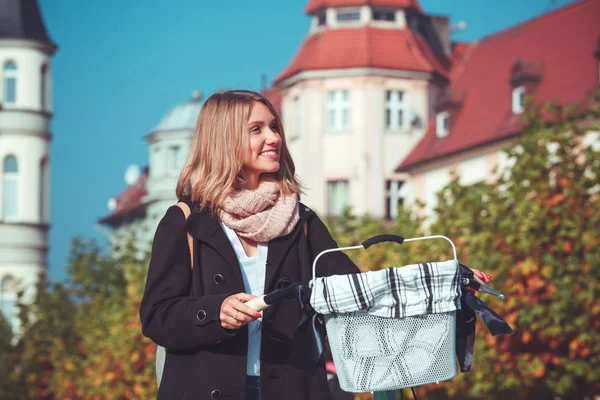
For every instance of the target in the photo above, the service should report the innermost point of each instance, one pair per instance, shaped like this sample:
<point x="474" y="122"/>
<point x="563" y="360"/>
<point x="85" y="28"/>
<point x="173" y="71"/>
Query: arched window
<point x="44" y="186"/>
<point x="44" y="87"/>
<point x="8" y="299"/>
<point x="10" y="84"/>
<point x="10" y="188"/>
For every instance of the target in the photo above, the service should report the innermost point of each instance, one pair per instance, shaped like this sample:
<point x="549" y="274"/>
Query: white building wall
<point x="365" y="154"/>
<point x="29" y="62"/>
<point x="25" y="133"/>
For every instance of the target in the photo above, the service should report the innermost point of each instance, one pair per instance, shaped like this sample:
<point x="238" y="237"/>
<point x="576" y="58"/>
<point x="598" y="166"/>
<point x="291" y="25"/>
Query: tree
<point x="535" y="229"/>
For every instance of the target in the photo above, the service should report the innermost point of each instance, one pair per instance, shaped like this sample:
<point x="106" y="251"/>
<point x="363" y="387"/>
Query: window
<point x="345" y="16"/>
<point x="10" y="84"/>
<point x="43" y="87"/>
<point x="43" y="190"/>
<point x="441" y="124"/>
<point x="518" y="100"/>
<point x="338" y="113"/>
<point x="393" y="198"/>
<point x="337" y="197"/>
<point x="394" y="110"/>
<point x="322" y="18"/>
<point x="297" y="117"/>
<point x="173" y="158"/>
<point x="10" y="186"/>
<point x="383" y="15"/>
<point x="8" y="299"/>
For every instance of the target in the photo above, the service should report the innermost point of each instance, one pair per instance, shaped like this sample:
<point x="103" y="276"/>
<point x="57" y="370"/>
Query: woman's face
<point x="265" y="144"/>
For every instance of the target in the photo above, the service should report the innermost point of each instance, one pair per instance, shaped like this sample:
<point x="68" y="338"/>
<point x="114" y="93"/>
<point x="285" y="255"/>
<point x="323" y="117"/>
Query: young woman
<point x="248" y="233"/>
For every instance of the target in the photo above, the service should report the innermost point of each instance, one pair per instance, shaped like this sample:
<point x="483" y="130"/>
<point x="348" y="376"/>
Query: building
<point x="26" y="52"/>
<point x="379" y="105"/>
<point x="151" y="190"/>
<point x="358" y="96"/>
<point x="555" y="57"/>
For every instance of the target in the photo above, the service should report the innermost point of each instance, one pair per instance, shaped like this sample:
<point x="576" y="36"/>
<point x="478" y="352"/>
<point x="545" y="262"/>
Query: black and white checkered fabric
<point x="397" y="292"/>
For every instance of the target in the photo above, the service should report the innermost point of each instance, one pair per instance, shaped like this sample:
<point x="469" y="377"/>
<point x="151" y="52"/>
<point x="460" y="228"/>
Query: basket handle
<point x="382" y="238"/>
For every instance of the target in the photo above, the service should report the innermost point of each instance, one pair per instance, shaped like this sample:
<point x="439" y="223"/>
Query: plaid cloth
<point x="415" y="289"/>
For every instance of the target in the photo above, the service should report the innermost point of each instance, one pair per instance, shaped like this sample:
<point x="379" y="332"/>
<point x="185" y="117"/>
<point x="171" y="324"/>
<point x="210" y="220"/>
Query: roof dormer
<point x="525" y="73"/>
<point x="524" y="80"/>
<point x="357" y="13"/>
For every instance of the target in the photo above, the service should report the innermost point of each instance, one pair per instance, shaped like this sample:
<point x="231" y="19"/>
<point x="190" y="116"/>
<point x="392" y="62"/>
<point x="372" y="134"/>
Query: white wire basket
<point x="374" y="353"/>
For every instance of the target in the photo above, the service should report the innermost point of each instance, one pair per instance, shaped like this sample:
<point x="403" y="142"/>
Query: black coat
<point x="180" y="309"/>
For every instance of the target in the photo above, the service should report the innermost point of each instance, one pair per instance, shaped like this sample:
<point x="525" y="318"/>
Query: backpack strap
<point x="186" y="212"/>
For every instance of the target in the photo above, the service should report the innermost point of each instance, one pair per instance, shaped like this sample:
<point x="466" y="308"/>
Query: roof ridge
<point x="535" y="19"/>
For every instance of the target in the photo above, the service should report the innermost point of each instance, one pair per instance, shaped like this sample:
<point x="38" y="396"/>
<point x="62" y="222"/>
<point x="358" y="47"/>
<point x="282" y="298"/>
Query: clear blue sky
<point x="121" y="65"/>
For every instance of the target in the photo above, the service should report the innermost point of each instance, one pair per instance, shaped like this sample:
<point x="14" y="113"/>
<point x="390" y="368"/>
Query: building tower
<point x="25" y="112"/>
<point x="357" y="96"/>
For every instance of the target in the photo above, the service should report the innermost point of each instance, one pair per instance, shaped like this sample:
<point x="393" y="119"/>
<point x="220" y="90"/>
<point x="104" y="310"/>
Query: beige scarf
<point x="262" y="214"/>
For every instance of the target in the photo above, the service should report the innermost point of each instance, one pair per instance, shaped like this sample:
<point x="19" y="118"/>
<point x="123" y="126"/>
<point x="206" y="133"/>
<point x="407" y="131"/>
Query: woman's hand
<point x="484" y="277"/>
<point x="235" y="314"/>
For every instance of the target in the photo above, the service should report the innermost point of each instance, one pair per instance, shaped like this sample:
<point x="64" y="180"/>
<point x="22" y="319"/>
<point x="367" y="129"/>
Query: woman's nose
<point x="273" y="137"/>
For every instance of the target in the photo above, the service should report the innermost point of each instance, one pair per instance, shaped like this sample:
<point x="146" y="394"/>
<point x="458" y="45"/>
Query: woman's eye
<point x="255" y="129"/>
<point x="274" y="128"/>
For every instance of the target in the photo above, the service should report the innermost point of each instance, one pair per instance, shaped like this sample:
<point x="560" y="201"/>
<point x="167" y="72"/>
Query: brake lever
<point x="468" y="279"/>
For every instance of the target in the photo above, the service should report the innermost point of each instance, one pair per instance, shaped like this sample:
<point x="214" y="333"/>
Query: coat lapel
<point x="205" y="227"/>
<point x="278" y="249"/>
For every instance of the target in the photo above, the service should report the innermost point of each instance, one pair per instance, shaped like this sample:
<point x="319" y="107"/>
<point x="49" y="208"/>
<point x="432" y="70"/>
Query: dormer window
<point x="322" y="18"/>
<point x="441" y="124"/>
<point x="384" y="15"/>
<point x="348" y="15"/>
<point x="518" y="100"/>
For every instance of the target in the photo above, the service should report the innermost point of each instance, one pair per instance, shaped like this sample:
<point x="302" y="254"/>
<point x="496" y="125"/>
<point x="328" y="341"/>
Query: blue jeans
<point x="252" y="387"/>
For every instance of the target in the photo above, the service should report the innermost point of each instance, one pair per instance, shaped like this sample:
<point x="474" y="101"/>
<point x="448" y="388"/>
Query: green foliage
<point x="82" y="339"/>
<point x="535" y="230"/>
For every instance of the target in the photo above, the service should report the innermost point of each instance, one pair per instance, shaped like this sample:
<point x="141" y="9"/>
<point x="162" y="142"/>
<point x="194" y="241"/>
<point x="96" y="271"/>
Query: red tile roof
<point x="274" y="96"/>
<point x="316" y="5"/>
<point x="400" y="49"/>
<point x="563" y="42"/>
<point x="129" y="200"/>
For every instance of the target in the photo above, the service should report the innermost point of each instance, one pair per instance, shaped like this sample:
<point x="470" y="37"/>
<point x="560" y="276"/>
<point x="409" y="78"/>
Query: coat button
<point x="215" y="394"/>
<point x="306" y="209"/>
<point x="219" y="280"/>
<point x="201" y="315"/>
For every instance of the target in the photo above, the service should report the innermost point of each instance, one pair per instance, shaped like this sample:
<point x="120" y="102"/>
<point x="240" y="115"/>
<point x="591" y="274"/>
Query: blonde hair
<point x="214" y="164"/>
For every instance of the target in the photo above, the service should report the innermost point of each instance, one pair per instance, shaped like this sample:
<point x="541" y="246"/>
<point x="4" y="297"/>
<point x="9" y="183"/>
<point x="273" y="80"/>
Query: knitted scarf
<point x="261" y="214"/>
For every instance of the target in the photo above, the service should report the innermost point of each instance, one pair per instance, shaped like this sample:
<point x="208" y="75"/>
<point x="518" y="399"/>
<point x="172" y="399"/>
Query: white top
<point x="253" y="273"/>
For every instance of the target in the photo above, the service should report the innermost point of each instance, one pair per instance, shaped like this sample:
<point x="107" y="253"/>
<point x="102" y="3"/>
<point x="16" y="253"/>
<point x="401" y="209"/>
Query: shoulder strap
<point x="186" y="211"/>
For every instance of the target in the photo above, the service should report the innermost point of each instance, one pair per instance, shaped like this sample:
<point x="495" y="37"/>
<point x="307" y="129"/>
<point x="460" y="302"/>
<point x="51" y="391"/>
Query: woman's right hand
<point x="235" y="314"/>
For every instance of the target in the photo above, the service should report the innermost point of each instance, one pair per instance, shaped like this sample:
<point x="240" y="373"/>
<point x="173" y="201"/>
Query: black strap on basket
<point x="413" y="393"/>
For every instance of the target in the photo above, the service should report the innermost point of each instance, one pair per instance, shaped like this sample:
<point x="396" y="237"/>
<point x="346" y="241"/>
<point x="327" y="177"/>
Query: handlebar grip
<point x="257" y="303"/>
<point x="382" y="238"/>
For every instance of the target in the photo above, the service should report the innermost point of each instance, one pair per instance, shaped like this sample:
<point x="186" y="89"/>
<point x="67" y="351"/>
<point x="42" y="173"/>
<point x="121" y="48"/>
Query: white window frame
<point x="7" y="75"/>
<point x="338" y="110"/>
<point x="44" y="189"/>
<point x="347" y="11"/>
<point x="441" y="119"/>
<point x="395" y="103"/>
<point x="393" y="198"/>
<point x="6" y="178"/>
<point x="44" y="87"/>
<point x="518" y="100"/>
<point x="173" y="158"/>
<point x="335" y="206"/>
